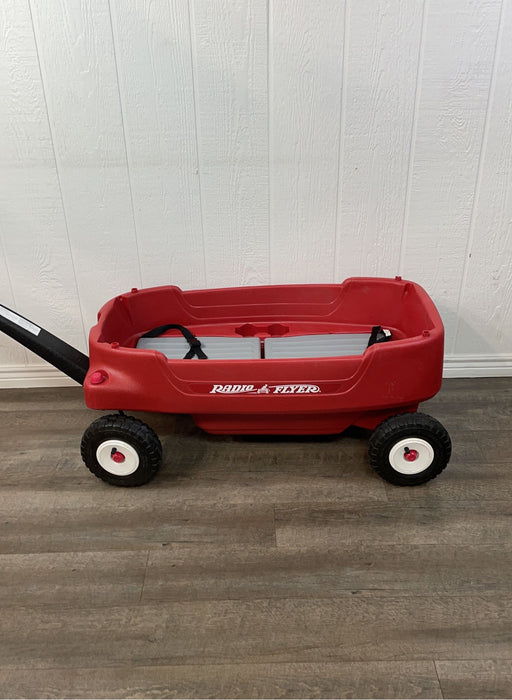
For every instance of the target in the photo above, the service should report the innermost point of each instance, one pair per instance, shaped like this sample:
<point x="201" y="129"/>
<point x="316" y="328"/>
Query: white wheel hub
<point x="117" y="457"/>
<point x="411" y="456"/>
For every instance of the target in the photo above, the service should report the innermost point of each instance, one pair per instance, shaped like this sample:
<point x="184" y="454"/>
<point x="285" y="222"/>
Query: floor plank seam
<point x="144" y="577"/>
<point x="438" y="678"/>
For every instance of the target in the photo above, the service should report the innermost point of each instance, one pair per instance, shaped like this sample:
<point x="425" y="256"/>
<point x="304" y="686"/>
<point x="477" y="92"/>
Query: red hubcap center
<point x="411" y="455"/>
<point x="118" y="457"/>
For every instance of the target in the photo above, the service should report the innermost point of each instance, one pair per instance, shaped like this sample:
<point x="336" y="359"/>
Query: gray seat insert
<point x="215" y="347"/>
<point x="328" y="345"/>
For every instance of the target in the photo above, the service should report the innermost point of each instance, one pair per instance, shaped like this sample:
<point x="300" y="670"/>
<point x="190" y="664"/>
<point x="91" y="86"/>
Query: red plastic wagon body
<point x="289" y="395"/>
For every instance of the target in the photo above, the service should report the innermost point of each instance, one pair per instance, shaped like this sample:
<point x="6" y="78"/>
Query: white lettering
<point x="232" y="389"/>
<point x="265" y="389"/>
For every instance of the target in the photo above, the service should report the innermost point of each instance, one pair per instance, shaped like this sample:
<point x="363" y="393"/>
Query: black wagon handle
<point x="50" y="348"/>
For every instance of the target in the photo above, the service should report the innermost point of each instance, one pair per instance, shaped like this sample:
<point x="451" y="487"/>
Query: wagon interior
<point x="258" y="323"/>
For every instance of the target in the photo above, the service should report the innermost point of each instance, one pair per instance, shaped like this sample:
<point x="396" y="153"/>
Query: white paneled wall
<point x="305" y="91"/>
<point x="228" y="142"/>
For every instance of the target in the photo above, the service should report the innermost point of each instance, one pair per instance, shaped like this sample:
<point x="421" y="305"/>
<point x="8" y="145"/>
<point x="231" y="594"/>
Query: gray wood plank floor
<point x="255" y="567"/>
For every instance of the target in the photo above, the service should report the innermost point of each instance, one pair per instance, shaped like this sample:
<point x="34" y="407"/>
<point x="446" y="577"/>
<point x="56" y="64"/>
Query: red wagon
<point x="291" y="359"/>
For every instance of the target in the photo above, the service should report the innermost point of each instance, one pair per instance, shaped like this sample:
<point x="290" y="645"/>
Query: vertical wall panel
<point x="33" y="227"/>
<point x="79" y="74"/>
<point x="152" y="39"/>
<point x="306" y="54"/>
<point x="230" y="75"/>
<point x="459" y="51"/>
<point x="381" y="69"/>
<point x="11" y="353"/>
<point x="485" y="310"/>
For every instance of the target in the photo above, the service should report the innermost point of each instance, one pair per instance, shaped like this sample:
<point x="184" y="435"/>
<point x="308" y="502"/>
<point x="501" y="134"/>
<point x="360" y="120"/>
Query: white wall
<point x="227" y="142"/>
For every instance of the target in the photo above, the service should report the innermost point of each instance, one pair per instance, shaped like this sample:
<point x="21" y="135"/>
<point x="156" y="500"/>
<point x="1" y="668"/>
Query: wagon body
<point x="289" y="395"/>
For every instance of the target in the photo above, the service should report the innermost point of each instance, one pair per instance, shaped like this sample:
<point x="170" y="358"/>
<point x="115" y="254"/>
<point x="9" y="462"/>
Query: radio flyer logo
<point x="232" y="389"/>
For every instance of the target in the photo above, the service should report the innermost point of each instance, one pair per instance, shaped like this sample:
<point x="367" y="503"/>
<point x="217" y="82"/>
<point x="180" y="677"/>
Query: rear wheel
<point x="121" y="450"/>
<point x="409" y="449"/>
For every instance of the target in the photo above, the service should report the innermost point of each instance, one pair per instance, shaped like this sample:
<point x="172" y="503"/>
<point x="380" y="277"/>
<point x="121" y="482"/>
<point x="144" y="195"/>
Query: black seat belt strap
<point x="379" y="335"/>
<point x="195" y="343"/>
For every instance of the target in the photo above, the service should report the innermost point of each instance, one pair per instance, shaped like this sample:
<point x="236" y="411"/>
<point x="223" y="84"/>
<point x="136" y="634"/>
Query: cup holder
<point x="248" y="330"/>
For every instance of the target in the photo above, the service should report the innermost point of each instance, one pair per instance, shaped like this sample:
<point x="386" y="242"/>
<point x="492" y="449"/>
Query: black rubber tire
<point x="137" y="434"/>
<point x="403" y="426"/>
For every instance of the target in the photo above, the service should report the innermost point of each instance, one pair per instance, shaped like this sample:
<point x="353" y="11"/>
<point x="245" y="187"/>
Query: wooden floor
<point x="255" y="567"/>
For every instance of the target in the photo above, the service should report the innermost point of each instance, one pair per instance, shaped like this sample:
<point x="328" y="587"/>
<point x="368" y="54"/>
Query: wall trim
<point x="477" y="366"/>
<point x="33" y="376"/>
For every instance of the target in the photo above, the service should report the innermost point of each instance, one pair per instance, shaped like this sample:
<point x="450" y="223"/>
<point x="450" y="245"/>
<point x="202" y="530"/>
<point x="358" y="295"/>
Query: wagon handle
<point x="50" y="348"/>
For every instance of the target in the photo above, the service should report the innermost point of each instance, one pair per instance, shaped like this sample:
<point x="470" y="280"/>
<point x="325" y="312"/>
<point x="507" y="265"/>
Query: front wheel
<point x="121" y="450"/>
<point x="409" y="449"/>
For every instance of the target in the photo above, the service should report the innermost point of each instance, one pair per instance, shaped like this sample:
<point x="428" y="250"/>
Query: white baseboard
<point x="33" y="376"/>
<point x="477" y="366"/>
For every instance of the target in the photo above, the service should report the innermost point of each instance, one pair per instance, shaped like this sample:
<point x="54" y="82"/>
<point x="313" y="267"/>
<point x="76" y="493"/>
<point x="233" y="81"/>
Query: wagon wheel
<point x="409" y="449"/>
<point x="121" y="450"/>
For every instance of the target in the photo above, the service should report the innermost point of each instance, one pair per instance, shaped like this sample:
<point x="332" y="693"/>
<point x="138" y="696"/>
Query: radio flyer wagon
<point x="292" y="359"/>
